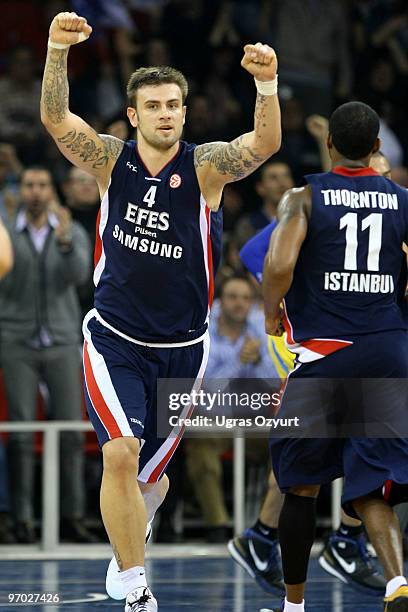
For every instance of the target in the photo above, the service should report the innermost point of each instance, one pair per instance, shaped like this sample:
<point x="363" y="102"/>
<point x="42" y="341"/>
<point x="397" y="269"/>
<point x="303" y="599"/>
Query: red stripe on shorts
<point x="97" y="399"/>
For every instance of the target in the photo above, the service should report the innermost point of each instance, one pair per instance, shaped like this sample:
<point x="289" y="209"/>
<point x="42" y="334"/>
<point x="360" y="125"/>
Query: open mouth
<point x="165" y="128"/>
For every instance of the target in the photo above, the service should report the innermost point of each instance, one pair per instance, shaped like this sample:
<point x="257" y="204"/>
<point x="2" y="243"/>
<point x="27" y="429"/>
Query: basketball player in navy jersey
<point x="335" y="260"/>
<point x="157" y="249"/>
<point x="345" y="554"/>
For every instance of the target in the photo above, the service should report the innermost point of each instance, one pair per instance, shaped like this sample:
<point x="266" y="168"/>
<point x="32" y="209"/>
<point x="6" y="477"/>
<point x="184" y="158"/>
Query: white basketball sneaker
<point x="114" y="586"/>
<point x="141" y="600"/>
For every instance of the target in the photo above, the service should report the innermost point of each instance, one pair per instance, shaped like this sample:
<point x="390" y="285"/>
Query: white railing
<point x="50" y="477"/>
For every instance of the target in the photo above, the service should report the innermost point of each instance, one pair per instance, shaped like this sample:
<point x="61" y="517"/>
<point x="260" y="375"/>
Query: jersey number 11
<point x="374" y="222"/>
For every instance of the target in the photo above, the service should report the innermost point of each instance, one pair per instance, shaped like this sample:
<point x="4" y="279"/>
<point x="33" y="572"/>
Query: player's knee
<point x="305" y="490"/>
<point x="121" y="455"/>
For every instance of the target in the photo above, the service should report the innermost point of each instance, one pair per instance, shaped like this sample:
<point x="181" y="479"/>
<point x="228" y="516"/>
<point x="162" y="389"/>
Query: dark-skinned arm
<point x="284" y="247"/>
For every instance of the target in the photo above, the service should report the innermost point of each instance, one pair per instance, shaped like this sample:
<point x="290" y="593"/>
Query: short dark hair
<point x="155" y="75"/>
<point x="37" y="168"/>
<point x="354" y="128"/>
<point x="236" y="276"/>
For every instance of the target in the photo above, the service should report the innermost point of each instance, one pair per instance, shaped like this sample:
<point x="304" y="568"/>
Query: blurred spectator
<point x="399" y="174"/>
<point x="233" y="206"/>
<point x="186" y="26"/>
<point x="200" y="125"/>
<point x="19" y="104"/>
<point x="298" y="146"/>
<point x="6" y="531"/>
<point x="40" y="324"/>
<point x="239" y="349"/>
<point x="312" y="46"/>
<point x="390" y="144"/>
<point x="225" y="108"/>
<point x="82" y="197"/>
<point x="318" y="127"/>
<point x="389" y="30"/>
<point x="10" y="171"/>
<point x="273" y="179"/>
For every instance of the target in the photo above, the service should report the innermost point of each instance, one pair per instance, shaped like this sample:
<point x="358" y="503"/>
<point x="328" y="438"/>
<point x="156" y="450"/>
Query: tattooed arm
<point x="284" y="248"/>
<point x="80" y="144"/>
<point x="218" y="163"/>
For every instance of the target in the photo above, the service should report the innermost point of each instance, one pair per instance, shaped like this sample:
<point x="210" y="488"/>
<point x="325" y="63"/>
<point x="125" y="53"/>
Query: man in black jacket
<point x="40" y="340"/>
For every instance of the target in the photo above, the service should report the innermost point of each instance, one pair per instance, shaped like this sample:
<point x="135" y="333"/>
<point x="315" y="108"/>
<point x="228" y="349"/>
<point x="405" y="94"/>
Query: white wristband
<point x="55" y="45"/>
<point x="267" y="88"/>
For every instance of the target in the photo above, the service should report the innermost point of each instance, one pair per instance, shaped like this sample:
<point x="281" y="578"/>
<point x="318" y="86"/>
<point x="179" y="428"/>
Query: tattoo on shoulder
<point x="89" y="150"/>
<point x="231" y="158"/>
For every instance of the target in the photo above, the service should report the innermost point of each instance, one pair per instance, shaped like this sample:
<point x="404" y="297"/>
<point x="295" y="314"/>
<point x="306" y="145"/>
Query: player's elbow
<point x="278" y="267"/>
<point x="49" y="122"/>
<point x="267" y="148"/>
<point x="276" y="143"/>
<point x="45" y="120"/>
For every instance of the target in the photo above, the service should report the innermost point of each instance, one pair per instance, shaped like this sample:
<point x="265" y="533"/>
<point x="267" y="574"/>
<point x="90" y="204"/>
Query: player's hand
<point x="251" y="351"/>
<point x="318" y="127"/>
<point x="66" y="28"/>
<point x="260" y="61"/>
<point x="274" y="325"/>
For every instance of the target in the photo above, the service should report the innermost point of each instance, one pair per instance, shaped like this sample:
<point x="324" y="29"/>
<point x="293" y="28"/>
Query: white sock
<point x="394" y="584"/>
<point x="291" y="607"/>
<point x="133" y="578"/>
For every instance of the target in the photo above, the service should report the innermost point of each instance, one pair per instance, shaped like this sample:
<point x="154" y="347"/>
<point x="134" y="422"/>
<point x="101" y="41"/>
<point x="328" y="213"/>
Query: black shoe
<point x="73" y="530"/>
<point x="266" y="571"/>
<point x="217" y="535"/>
<point x="6" y="530"/>
<point x="25" y="533"/>
<point x="349" y="560"/>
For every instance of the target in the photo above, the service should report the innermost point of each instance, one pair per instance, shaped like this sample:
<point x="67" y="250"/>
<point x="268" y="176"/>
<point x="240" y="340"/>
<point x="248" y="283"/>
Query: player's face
<point x="36" y="191"/>
<point x="236" y="300"/>
<point x="159" y="115"/>
<point x="381" y="165"/>
<point x="275" y="180"/>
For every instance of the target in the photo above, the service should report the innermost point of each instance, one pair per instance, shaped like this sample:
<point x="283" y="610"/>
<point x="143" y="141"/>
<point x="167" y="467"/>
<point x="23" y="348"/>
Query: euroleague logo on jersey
<point x="175" y="181"/>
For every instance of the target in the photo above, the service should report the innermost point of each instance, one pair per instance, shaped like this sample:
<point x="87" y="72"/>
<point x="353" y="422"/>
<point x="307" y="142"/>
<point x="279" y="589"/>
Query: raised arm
<point x="218" y="163"/>
<point x="284" y="247"/>
<point x="77" y="140"/>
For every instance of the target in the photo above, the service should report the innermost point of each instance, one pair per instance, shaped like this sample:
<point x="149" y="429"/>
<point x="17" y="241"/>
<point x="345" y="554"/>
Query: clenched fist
<point x="69" y="29"/>
<point x="260" y="61"/>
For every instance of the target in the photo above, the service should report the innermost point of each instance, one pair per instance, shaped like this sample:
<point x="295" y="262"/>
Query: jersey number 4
<point x="374" y="223"/>
<point x="150" y="197"/>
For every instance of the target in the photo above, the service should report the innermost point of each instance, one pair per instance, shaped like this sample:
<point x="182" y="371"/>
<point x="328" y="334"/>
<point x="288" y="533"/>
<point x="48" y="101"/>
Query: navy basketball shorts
<point x="120" y="379"/>
<point x="368" y="464"/>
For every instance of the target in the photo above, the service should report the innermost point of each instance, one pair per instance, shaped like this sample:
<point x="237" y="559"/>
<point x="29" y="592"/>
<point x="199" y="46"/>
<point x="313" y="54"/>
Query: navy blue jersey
<point x="157" y="250"/>
<point x="347" y="280"/>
